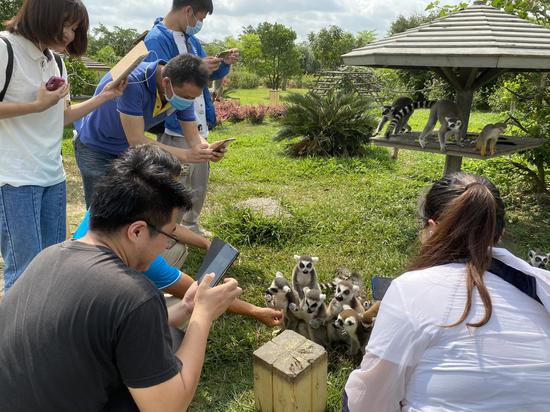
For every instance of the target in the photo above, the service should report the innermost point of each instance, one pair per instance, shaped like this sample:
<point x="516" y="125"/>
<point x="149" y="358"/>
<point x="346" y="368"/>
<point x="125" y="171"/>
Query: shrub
<point x="231" y="111"/>
<point x="242" y="79"/>
<point x="332" y="125"/>
<point x="82" y="80"/>
<point x="276" y="111"/>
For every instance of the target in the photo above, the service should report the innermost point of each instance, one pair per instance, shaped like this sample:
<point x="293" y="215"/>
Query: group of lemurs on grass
<point x="451" y="120"/>
<point x="348" y="317"/>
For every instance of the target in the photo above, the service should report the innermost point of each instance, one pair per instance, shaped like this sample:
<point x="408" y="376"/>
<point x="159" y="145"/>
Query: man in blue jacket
<point x="173" y="35"/>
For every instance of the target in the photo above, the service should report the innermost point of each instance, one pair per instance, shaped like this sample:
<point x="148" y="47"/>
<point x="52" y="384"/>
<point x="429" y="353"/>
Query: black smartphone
<point x="380" y="285"/>
<point x="218" y="260"/>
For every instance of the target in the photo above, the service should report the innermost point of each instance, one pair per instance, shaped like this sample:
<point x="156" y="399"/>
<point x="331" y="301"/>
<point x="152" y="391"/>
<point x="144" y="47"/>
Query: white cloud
<point x="304" y="16"/>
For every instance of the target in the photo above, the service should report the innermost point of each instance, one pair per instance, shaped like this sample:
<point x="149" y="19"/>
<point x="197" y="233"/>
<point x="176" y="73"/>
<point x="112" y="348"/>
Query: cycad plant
<point x="337" y="124"/>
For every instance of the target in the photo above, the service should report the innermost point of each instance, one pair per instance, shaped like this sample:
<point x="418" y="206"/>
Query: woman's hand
<point x="46" y="99"/>
<point x="110" y="92"/>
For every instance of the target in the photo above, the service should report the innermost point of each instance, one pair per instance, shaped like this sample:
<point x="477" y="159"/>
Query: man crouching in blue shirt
<point x="155" y="91"/>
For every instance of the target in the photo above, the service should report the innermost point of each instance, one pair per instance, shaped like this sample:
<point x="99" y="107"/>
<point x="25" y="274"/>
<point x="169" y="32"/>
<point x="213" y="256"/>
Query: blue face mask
<point x="193" y="30"/>
<point x="177" y="102"/>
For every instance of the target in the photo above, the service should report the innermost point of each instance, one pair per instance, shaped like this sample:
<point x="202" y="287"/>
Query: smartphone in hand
<point x="217" y="146"/>
<point x="224" y="54"/>
<point x="54" y="83"/>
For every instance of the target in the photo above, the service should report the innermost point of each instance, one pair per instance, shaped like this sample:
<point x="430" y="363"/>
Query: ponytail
<point x="470" y="220"/>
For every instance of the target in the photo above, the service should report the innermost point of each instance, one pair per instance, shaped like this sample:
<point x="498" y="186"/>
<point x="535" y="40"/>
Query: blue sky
<point x="230" y="16"/>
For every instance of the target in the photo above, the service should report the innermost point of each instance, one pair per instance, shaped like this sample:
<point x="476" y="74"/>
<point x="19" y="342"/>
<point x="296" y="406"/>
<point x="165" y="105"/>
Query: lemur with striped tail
<point x="401" y="116"/>
<point x="388" y="113"/>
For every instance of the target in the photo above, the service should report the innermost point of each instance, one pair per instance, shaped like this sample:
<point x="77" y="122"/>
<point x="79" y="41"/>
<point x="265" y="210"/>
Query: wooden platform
<point x="506" y="145"/>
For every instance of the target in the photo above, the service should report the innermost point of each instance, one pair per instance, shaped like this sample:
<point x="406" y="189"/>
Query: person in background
<point x="171" y="36"/>
<point x="32" y="179"/>
<point x="85" y="330"/>
<point x="468" y="327"/>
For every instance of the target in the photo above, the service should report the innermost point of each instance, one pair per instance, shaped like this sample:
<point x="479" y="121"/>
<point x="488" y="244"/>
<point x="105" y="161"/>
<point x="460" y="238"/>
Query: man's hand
<point x="109" y="92"/>
<point x="200" y="153"/>
<point x="46" y="99"/>
<point x="218" y="153"/>
<point x="269" y="316"/>
<point x="233" y="57"/>
<point x="188" y="301"/>
<point x="212" y="302"/>
<point x="213" y="63"/>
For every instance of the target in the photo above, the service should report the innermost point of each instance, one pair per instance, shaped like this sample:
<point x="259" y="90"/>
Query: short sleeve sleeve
<point x="144" y="355"/>
<point x="162" y="274"/>
<point x="187" y="115"/>
<point x="397" y="337"/>
<point x="131" y="102"/>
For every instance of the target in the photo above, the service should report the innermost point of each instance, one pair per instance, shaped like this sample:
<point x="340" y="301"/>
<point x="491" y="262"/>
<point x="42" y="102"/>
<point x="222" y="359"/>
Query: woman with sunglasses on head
<point x="34" y="107"/>
<point x="468" y="327"/>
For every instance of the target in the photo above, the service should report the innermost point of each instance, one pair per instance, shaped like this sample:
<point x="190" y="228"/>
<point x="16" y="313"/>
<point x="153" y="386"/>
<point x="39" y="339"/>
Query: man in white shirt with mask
<point x="172" y="35"/>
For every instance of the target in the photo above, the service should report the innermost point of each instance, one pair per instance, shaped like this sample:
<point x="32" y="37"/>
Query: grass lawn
<point x="259" y="95"/>
<point x="358" y="213"/>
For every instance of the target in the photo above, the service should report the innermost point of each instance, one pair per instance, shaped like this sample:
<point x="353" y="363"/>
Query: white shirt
<point x="501" y="366"/>
<point x="30" y="145"/>
<point x="200" y="105"/>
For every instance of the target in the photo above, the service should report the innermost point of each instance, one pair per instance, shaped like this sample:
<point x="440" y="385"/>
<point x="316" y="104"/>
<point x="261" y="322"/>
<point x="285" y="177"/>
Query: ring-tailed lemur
<point x="357" y="327"/>
<point x="538" y="260"/>
<point x="388" y="115"/>
<point x="489" y="137"/>
<point x="304" y="274"/>
<point x="347" y="293"/>
<point x="314" y="312"/>
<point x="280" y="295"/>
<point x="342" y="273"/>
<point x="401" y="116"/>
<point x="450" y="118"/>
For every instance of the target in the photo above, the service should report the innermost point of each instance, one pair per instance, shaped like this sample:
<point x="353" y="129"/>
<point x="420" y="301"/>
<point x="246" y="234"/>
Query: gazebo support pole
<point x="464" y="100"/>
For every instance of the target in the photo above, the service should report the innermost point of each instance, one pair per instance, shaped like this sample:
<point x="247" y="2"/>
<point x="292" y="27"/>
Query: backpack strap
<point x="59" y="62"/>
<point x="9" y="68"/>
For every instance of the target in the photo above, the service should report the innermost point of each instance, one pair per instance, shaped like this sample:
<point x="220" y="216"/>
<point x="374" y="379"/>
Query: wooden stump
<point x="274" y="97"/>
<point x="290" y="374"/>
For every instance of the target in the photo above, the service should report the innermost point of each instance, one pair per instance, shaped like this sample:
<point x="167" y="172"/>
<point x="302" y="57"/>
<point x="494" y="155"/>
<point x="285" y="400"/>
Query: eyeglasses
<point x="172" y="239"/>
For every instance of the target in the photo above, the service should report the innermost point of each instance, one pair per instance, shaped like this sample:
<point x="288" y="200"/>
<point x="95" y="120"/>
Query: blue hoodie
<point x="161" y="40"/>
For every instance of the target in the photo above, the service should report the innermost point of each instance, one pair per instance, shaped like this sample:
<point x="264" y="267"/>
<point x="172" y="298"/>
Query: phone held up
<point x="54" y="83"/>
<point x="218" y="260"/>
<point x="217" y="146"/>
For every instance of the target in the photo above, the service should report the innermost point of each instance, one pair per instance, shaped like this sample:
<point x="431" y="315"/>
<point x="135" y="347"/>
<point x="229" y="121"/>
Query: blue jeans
<point x="93" y="165"/>
<point x="31" y="219"/>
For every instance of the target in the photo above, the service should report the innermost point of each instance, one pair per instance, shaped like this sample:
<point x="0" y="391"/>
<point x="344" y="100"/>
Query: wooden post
<point x="464" y="100"/>
<point x="290" y="374"/>
<point x="274" y="97"/>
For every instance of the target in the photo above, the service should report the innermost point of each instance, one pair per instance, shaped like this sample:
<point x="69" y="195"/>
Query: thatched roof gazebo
<point x="468" y="49"/>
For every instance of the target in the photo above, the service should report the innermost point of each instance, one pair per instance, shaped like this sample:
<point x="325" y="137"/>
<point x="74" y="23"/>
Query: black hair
<point x="186" y="68"/>
<point x="197" y="5"/>
<point x="139" y="185"/>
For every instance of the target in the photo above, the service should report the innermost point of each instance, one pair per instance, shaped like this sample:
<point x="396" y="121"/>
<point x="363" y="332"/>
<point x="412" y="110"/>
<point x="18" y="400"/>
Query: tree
<point x="107" y="56"/>
<point x="279" y="57"/>
<point x="251" y="50"/>
<point x="119" y="38"/>
<point x="365" y="37"/>
<point x="8" y="9"/>
<point x="329" y="44"/>
<point x="403" y="23"/>
<point x="308" y="63"/>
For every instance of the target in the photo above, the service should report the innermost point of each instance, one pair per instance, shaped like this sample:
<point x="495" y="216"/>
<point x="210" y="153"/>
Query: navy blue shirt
<point x="102" y="129"/>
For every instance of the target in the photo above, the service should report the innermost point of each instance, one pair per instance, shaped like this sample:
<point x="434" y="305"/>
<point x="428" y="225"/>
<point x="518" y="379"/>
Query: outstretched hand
<point x="269" y="316"/>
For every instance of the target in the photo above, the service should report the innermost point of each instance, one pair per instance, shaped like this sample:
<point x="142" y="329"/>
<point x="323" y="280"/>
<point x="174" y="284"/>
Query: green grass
<point x="354" y="212"/>
<point x="259" y="95"/>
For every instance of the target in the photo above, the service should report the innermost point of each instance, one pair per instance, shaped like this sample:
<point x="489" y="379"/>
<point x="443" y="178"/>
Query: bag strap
<point x="59" y="62"/>
<point x="9" y="68"/>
